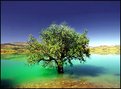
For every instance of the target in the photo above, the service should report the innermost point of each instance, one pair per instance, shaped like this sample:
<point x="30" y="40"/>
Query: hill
<point x="20" y="47"/>
<point x="15" y="47"/>
<point x="104" y="49"/>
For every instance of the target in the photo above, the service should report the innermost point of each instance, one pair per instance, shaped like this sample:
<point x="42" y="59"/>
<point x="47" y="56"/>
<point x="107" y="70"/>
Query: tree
<point x="59" y="44"/>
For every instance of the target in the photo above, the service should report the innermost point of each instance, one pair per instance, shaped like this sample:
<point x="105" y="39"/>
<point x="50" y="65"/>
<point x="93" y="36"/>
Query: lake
<point x="97" y="71"/>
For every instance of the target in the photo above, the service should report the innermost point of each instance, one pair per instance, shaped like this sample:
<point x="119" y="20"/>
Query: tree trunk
<point x="60" y="69"/>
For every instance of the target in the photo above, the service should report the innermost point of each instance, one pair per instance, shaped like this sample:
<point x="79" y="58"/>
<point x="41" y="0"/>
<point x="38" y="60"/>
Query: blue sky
<point x="101" y="18"/>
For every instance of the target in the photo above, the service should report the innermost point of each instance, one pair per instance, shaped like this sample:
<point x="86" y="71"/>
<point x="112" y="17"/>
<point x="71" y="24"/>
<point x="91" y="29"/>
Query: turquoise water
<point x="100" y="69"/>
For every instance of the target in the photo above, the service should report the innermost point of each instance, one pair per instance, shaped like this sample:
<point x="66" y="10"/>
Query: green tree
<point x="59" y="44"/>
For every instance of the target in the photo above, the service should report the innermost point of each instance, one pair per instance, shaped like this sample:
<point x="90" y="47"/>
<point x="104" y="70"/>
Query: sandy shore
<point x="62" y="83"/>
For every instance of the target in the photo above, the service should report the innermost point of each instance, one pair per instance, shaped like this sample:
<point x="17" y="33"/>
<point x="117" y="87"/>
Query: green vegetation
<point x="59" y="44"/>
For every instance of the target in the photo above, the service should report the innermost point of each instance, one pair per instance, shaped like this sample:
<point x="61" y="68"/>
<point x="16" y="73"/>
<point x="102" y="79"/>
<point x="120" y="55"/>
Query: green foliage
<point x="59" y="43"/>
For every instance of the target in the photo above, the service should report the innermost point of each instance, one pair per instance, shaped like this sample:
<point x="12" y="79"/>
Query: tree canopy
<point x="59" y="44"/>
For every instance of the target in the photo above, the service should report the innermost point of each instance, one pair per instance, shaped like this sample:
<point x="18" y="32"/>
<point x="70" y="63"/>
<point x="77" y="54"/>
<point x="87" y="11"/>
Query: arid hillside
<point x="20" y="47"/>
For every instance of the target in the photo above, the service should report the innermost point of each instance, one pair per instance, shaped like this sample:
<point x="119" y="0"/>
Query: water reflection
<point x="85" y="70"/>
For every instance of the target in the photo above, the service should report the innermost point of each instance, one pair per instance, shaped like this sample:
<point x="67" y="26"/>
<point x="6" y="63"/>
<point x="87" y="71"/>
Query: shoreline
<point x="65" y="83"/>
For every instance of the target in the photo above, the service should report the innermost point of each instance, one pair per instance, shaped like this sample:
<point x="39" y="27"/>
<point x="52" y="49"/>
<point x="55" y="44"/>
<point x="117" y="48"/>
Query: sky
<point x="100" y="18"/>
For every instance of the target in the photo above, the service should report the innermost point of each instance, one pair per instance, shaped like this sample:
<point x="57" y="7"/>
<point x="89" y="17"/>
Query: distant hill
<point x="20" y="43"/>
<point x="19" y="47"/>
<point x="14" y="44"/>
<point x="15" y="47"/>
<point x="104" y="49"/>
